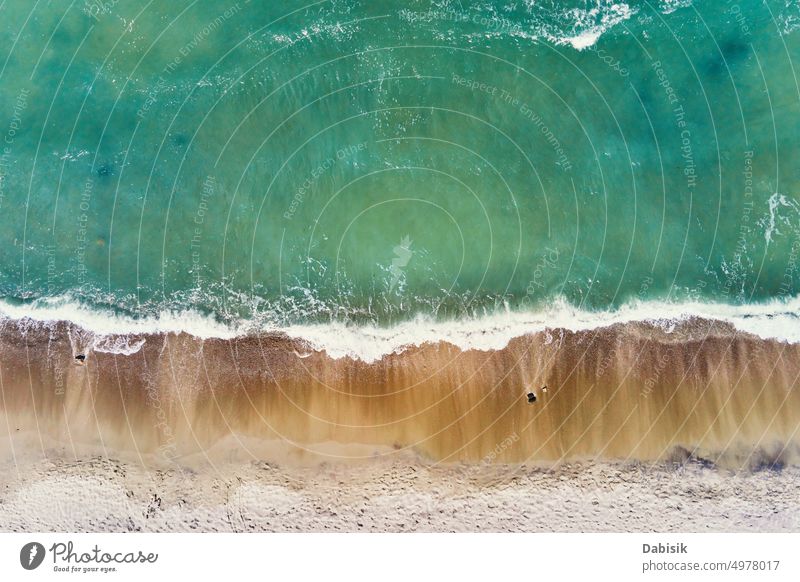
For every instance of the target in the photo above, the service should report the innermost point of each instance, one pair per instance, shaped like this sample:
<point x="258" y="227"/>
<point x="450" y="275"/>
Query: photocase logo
<point x="31" y="555"/>
<point x="403" y="254"/>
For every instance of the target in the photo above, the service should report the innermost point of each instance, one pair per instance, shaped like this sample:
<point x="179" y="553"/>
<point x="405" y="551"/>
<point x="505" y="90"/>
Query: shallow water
<point x="371" y="161"/>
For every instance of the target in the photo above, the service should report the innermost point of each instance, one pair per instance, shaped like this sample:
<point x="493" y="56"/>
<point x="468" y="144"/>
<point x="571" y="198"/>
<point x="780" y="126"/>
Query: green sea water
<point x="373" y="160"/>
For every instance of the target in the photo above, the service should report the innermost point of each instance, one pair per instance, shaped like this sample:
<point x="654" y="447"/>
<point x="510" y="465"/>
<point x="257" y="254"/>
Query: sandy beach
<point x="401" y="495"/>
<point x="635" y="427"/>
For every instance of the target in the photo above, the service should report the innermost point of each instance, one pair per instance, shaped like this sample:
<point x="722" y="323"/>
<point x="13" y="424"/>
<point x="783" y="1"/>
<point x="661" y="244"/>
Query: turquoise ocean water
<point x="375" y="160"/>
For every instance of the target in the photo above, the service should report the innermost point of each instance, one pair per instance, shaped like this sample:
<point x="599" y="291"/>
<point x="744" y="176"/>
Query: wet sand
<point x="629" y="391"/>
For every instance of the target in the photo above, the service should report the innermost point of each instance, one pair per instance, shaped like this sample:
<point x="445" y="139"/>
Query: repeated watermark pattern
<point x="450" y="105"/>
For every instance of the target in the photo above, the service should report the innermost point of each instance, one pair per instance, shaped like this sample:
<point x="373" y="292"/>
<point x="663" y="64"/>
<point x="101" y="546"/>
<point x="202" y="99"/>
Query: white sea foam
<point x="106" y="323"/>
<point x="591" y="24"/>
<point x="777" y="320"/>
<point x="770" y="224"/>
<point x="578" y="26"/>
<point x="118" y="344"/>
<point x="670" y="6"/>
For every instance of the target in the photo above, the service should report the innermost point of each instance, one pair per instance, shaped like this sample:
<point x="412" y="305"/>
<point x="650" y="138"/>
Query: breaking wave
<point x="778" y="320"/>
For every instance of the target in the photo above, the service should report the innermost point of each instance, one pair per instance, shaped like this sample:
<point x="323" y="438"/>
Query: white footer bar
<point x="406" y="557"/>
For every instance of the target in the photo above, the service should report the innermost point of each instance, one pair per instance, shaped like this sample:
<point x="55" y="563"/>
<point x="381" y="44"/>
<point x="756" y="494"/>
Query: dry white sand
<point x="394" y="496"/>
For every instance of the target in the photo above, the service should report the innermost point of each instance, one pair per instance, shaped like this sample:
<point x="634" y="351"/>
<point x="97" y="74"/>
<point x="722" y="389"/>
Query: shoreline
<point x="778" y="319"/>
<point x="638" y="391"/>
